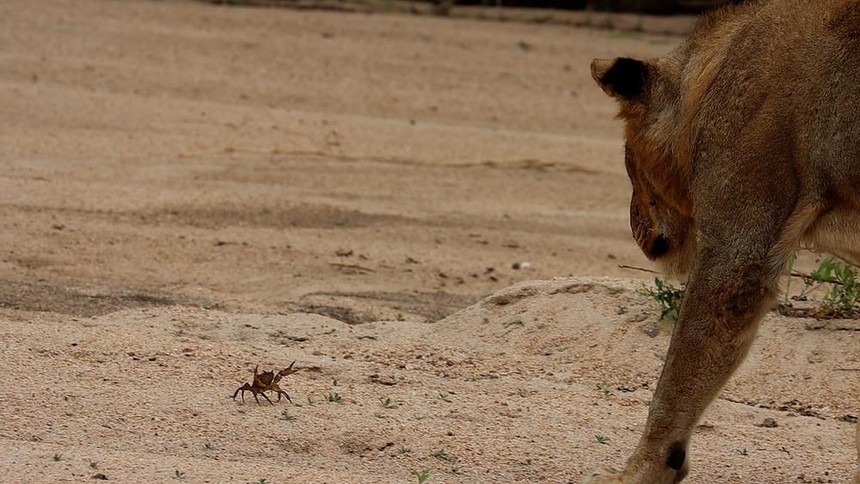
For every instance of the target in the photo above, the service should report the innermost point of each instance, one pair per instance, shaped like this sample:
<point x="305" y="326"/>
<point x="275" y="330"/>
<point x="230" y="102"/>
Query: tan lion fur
<point x="743" y="145"/>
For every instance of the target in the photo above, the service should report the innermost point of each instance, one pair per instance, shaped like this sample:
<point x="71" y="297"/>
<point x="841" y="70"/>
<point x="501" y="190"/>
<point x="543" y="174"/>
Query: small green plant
<point x="177" y="474"/>
<point x="285" y="415"/>
<point x="604" y="387"/>
<point x="335" y="397"/>
<point x="668" y="297"/>
<point x="58" y="457"/>
<point x="208" y="446"/>
<point x="601" y="439"/>
<point x="442" y="455"/>
<point x="784" y="449"/>
<point x="844" y="282"/>
<point x="841" y="283"/>
<point x="94" y="464"/>
<point x="445" y="397"/>
<point x="404" y="450"/>
<point x="789" y="267"/>
<point x="527" y="462"/>
<point x="742" y="451"/>
<point x="334" y="382"/>
<point x="262" y="481"/>
<point x="388" y="403"/>
<point x="422" y="475"/>
<point x="456" y="471"/>
<point x="311" y="402"/>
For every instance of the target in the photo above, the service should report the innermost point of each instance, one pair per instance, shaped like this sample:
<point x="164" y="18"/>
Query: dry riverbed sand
<point x="427" y="214"/>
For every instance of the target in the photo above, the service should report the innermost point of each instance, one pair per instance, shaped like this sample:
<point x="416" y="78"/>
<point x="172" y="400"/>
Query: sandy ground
<point x="191" y="190"/>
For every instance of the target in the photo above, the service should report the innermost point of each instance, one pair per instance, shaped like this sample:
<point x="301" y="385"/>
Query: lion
<point x="742" y="146"/>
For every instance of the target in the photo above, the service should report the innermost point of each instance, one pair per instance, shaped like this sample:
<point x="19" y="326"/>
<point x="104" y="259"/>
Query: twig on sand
<point x="352" y="267"/>
<point x="622" y="266"/>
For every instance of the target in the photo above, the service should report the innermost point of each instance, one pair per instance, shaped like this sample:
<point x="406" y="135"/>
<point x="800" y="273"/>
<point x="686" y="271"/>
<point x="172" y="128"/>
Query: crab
<point x="266" y="382"/>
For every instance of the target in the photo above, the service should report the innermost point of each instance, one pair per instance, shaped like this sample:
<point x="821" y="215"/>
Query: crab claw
<point x="288" y="370"/>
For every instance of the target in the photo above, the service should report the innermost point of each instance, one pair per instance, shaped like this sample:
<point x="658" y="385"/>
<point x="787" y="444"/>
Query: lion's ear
<point x="622" y="78"/>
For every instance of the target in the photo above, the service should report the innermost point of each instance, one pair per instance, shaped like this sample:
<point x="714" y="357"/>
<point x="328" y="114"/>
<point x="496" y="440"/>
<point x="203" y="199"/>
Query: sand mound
<point x="516" y="388"/>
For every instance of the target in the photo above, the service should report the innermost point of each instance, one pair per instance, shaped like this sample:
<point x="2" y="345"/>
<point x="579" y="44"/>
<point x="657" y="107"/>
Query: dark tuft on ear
<point x="626" y="78"/>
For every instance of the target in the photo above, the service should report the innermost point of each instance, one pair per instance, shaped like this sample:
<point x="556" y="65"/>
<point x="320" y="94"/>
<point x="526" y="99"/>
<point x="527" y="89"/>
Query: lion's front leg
<point x="717" y="324"/>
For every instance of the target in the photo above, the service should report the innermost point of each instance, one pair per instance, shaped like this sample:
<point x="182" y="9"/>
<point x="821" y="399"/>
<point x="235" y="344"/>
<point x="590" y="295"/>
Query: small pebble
<point x="768" y="423"/>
